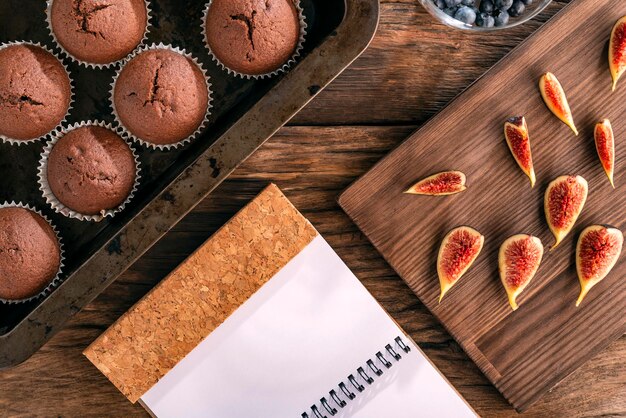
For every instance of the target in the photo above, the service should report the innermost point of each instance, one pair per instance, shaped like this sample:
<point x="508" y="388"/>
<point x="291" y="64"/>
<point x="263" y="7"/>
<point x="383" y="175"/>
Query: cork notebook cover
<point x="156" y="333"/>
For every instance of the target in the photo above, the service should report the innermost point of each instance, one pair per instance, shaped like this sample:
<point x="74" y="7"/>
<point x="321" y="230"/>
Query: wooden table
<point x="412" y="69"/>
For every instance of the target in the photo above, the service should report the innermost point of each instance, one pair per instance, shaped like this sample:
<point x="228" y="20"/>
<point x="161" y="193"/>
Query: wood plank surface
<point x="393" y="82"/>
<point x="524" y="353"/>
<point x="312" y="165"/>
<point x="404" y="66"/>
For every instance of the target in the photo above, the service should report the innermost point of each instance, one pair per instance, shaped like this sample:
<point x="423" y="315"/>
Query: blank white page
<point x="294" y="340"/>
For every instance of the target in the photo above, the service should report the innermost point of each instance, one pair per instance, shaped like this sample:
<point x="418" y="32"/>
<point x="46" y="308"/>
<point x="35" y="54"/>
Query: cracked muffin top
<point x="91" y="169"/>
<point x="98" y="31"/>
<point x="30" y="255"/>
<point x="161" y="96"/>
<point x="252" y="37"/>
<point x="34" y="92"/>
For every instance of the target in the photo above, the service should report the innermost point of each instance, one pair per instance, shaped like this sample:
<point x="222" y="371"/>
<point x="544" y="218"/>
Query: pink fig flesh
<point x="556" y="100"/>
<point x="605" y="145"/>
<point x="518" y="140"/>
<point x="597" y="252"/>
<point x="440" y="184"/>
<point x="518" y="261"/>
<point x="617" y="51"/>
<point x="458" y="251"/>
<point x="564" y="201"/>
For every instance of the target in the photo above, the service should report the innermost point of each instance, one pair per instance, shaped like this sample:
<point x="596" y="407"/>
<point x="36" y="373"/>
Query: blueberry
<point x="441" y="4"/>
<point x="466" y="15"/>
<point x="517" y="9"/>
<point x="501" y="17"/>
<point x="527" y="2"/>
<point x="503" y="4"/>
<point x="450" y="11"/>
<point x="485" y="20"/>
<point x="452" y="3"/>
<point x="467" y="2"/>
<point x="486" y="6"/>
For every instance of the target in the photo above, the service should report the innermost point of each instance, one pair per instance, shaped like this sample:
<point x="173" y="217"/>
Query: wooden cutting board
<point x="526" y="352"/>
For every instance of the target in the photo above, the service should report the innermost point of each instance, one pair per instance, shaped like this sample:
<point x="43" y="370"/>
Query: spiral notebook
<point x="310" y="342"/>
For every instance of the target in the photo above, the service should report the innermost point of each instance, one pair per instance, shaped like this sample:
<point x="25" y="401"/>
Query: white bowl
<point x="531" y="11"/>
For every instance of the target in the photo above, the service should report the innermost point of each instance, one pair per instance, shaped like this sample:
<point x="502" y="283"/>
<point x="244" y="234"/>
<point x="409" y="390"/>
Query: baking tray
<point x="245" y="114"/>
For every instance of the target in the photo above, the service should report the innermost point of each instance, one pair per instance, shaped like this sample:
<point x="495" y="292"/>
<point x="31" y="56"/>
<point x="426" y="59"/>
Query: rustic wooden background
<point x="412" y="69"/>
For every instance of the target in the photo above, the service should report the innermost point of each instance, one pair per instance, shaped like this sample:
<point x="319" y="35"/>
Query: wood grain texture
<point x="526" y="352"/>
<point x="404" y="66"/>
<point x="312" y="165"/>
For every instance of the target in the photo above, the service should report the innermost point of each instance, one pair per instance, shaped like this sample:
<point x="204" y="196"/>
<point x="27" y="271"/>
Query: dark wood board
<point x="526" y="352"/>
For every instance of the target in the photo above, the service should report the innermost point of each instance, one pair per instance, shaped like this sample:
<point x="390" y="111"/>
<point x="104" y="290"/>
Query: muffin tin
<point x="245" y="114"/>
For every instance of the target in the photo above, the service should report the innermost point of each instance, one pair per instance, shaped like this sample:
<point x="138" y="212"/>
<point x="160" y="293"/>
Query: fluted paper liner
<point x="19" y="142"/>
<point x="284" y="68"/>
<point x="128" y="134"/>
<point x="56" y="281"/>
<point x="91" y="64"/>
<point x="52" y="200"/>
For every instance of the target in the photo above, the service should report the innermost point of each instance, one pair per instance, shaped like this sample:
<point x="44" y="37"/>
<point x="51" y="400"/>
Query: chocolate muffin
<point x="35" y="92"/>
<point x="252" y="37"/>
<point x="161" y="96"/>
<point x="91" y="170"/>
<point x="98" y="31"/>
<point x="30" y="254"/>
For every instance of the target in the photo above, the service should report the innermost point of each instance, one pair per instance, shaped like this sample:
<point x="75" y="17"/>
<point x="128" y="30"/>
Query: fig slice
<point x="554" y="97"/>
<point x="458" y="251"/>
<point x="564" y="200"/>
<point x="605" y="145"/>
<point x="440" y="184"/>
<point x="518" y="261"/>
<point x="597" y="251"/>
<point x="516" y="135"/>
<point x="617" y="51"/>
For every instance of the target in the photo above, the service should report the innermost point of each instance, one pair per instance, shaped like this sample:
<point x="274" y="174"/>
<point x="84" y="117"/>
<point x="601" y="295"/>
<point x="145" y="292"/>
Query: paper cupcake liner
<point x="284" y="68"/>
<point x="19" y="142"/>
<point x="128" y="134"/>
<point x="56" y="281"/>
<point x="91" y="64"/>
<point x="52" y="200"/>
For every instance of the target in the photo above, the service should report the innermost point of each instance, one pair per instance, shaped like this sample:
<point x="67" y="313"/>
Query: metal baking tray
<point x="245" y="114"/>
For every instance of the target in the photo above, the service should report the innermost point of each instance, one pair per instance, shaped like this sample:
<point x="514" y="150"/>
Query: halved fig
<point x="617" y="51"/>
<point x="554" y="97"/>
<point x="605" y="145"/>
<point x="458" y="251"/>
<point x="516" y="134"/>
<point x="518" y="261"/>
<point x="440" y="184"/>
<point x="564" y="200"/>
<point x="597" y="251"/>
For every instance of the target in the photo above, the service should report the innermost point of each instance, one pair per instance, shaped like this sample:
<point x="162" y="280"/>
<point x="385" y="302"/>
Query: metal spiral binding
<point x="352" y="387"/>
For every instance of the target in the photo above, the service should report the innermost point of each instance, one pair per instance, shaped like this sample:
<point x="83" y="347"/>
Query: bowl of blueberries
<point x="484" y="15"/>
